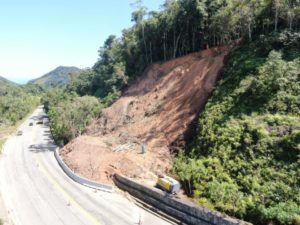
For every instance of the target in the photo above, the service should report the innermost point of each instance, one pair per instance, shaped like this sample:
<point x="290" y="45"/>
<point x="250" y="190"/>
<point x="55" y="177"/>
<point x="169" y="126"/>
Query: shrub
<point x="153" y="109"/>
<point x="244" y="160"/>
<point x="70" y="116"/>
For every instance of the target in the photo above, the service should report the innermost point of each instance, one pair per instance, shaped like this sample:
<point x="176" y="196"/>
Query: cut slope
<point x="57" y="77"/>
<point x="152" y="114"/>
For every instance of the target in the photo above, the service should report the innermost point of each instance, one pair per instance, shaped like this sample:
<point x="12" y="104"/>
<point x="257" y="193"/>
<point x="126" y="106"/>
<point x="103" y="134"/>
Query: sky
<point x="36" y="36"/>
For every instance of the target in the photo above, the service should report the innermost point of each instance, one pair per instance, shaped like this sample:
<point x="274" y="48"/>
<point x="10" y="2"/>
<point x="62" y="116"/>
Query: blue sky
<point x="38" y="35"/>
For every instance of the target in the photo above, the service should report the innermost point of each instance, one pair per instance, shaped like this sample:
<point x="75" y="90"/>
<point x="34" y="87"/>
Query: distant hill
<point x="4" y="81"/>
<point x="57" y="77"/>
<point x="6" y="86"/>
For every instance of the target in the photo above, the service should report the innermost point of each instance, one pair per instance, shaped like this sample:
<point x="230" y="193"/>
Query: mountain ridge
<point x="56" y="77"/>
<point x="3" y="80"/>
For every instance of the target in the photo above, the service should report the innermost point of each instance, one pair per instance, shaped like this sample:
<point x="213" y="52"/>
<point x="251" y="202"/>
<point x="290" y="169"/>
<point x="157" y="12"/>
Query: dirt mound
<point x="134" y="135"/>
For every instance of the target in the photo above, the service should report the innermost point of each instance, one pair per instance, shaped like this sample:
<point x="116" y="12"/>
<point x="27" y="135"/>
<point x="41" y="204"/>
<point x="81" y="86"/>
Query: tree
<point x="279" y="9"/>
<point x="138" y="18"/>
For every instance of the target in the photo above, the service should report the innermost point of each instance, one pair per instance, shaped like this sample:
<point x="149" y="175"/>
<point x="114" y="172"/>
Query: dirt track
<point x="155" y="112"/>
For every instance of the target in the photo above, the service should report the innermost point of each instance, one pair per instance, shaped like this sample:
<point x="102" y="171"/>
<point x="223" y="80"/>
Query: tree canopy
<point x="179" y="28"/>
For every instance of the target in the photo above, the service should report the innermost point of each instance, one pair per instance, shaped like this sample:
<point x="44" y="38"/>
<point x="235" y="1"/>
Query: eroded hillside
<point x="152" y="114"/>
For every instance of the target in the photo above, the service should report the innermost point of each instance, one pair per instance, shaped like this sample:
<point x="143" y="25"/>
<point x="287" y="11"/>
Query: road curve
<point x="37" y="192"/>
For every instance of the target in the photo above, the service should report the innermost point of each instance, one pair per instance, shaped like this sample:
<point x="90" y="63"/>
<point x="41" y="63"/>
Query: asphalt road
<point x="36" y="191"/>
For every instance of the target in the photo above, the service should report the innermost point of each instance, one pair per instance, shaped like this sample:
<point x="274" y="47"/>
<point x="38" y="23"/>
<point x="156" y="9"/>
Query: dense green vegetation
<point x="57" y="77"/>
<point x="181" y="27"/>
<point x="5" y="86"/>
<point x="245" y="160"/>
<point x="69" y="113"/>
<point x="16" y="101"/>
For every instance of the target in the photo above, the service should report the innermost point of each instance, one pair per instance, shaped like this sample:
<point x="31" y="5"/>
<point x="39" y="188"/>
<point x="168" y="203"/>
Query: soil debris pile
<point x="133" y="136"/>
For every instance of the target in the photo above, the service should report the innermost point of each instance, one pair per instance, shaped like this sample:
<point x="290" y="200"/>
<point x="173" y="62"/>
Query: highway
<point x="36" y="191"/>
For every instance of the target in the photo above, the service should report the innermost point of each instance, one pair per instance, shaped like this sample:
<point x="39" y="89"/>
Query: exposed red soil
<point x="153" y="112"/>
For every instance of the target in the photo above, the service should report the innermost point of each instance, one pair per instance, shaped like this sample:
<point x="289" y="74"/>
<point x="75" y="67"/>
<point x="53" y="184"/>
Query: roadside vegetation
<point x="69" y="113"/>
<point x="16" y="102"/>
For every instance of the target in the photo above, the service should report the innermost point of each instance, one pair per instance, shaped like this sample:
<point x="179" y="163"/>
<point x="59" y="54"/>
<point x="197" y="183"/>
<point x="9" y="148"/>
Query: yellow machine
<point x="168" y="184"/>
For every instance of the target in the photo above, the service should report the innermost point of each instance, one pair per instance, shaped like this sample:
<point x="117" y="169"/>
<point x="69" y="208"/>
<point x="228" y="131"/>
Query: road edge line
<point x="79" y="179"/>
<point x="67" y="196"/>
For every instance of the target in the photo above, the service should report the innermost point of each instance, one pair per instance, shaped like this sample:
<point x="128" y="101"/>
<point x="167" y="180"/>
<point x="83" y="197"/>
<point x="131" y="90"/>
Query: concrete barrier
<point x="78" y="179"/>
<point x="186" y="212"/>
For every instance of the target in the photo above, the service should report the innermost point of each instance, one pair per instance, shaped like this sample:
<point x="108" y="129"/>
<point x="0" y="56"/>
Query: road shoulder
<point x="3" y="213"/>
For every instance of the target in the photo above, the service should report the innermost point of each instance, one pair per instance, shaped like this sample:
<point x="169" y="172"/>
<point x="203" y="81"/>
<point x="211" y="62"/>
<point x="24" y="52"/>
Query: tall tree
<point x="138" y="17"/>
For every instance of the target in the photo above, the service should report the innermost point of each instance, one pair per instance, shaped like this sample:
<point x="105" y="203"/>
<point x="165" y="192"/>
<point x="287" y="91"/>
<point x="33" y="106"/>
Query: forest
<point x="16" y="102"/>
<point x="181" y="27"/>
<point x="244" y="159"/>
<point x="244" y="156"/>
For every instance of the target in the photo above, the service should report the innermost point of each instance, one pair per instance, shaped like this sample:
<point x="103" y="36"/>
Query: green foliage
<point x="245" y="158"/>
<point x="13" y="109"/>
<point x="68" y="113"/>
<point x="182" y="27"/>
<point x="16" y="102"/>
<point x="107" y="76"/>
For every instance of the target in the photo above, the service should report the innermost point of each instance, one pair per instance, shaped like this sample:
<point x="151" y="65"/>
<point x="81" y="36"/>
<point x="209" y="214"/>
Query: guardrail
<point x="78" y="179"/>
<point x="185" y="211"/>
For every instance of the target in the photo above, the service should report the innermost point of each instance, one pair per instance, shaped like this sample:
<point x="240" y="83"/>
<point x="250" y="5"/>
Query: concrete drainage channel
<point x="78" y="179"/>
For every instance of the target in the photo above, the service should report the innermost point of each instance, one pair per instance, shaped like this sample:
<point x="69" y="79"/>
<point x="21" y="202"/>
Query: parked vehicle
<point x="19" y="133"/>
<point x="39" y="122"/>
<point x="30" y="124"/>
<point x="168" y="184"/>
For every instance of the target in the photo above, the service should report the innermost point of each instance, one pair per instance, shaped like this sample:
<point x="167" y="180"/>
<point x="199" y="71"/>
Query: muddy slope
<point x="152" y="114"/>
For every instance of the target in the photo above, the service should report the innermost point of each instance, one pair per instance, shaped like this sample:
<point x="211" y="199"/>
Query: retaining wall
<point x="186" y="212"/>
<point x="78" y="179"/>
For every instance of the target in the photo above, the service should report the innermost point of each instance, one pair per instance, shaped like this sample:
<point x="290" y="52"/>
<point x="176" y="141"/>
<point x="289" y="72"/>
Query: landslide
<point x="153" y="114"/>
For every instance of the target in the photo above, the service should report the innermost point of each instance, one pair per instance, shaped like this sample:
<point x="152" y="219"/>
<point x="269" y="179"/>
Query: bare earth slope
<point x="153" y="113"/>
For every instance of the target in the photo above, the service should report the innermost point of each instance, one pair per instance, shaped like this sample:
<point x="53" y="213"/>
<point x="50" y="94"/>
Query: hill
<point x="153" y="112"/>
<point x="245" y="157"/>
<point x="57" y="77"/>
<point x="6" y="86"/>
<point x="4" y="81"/>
